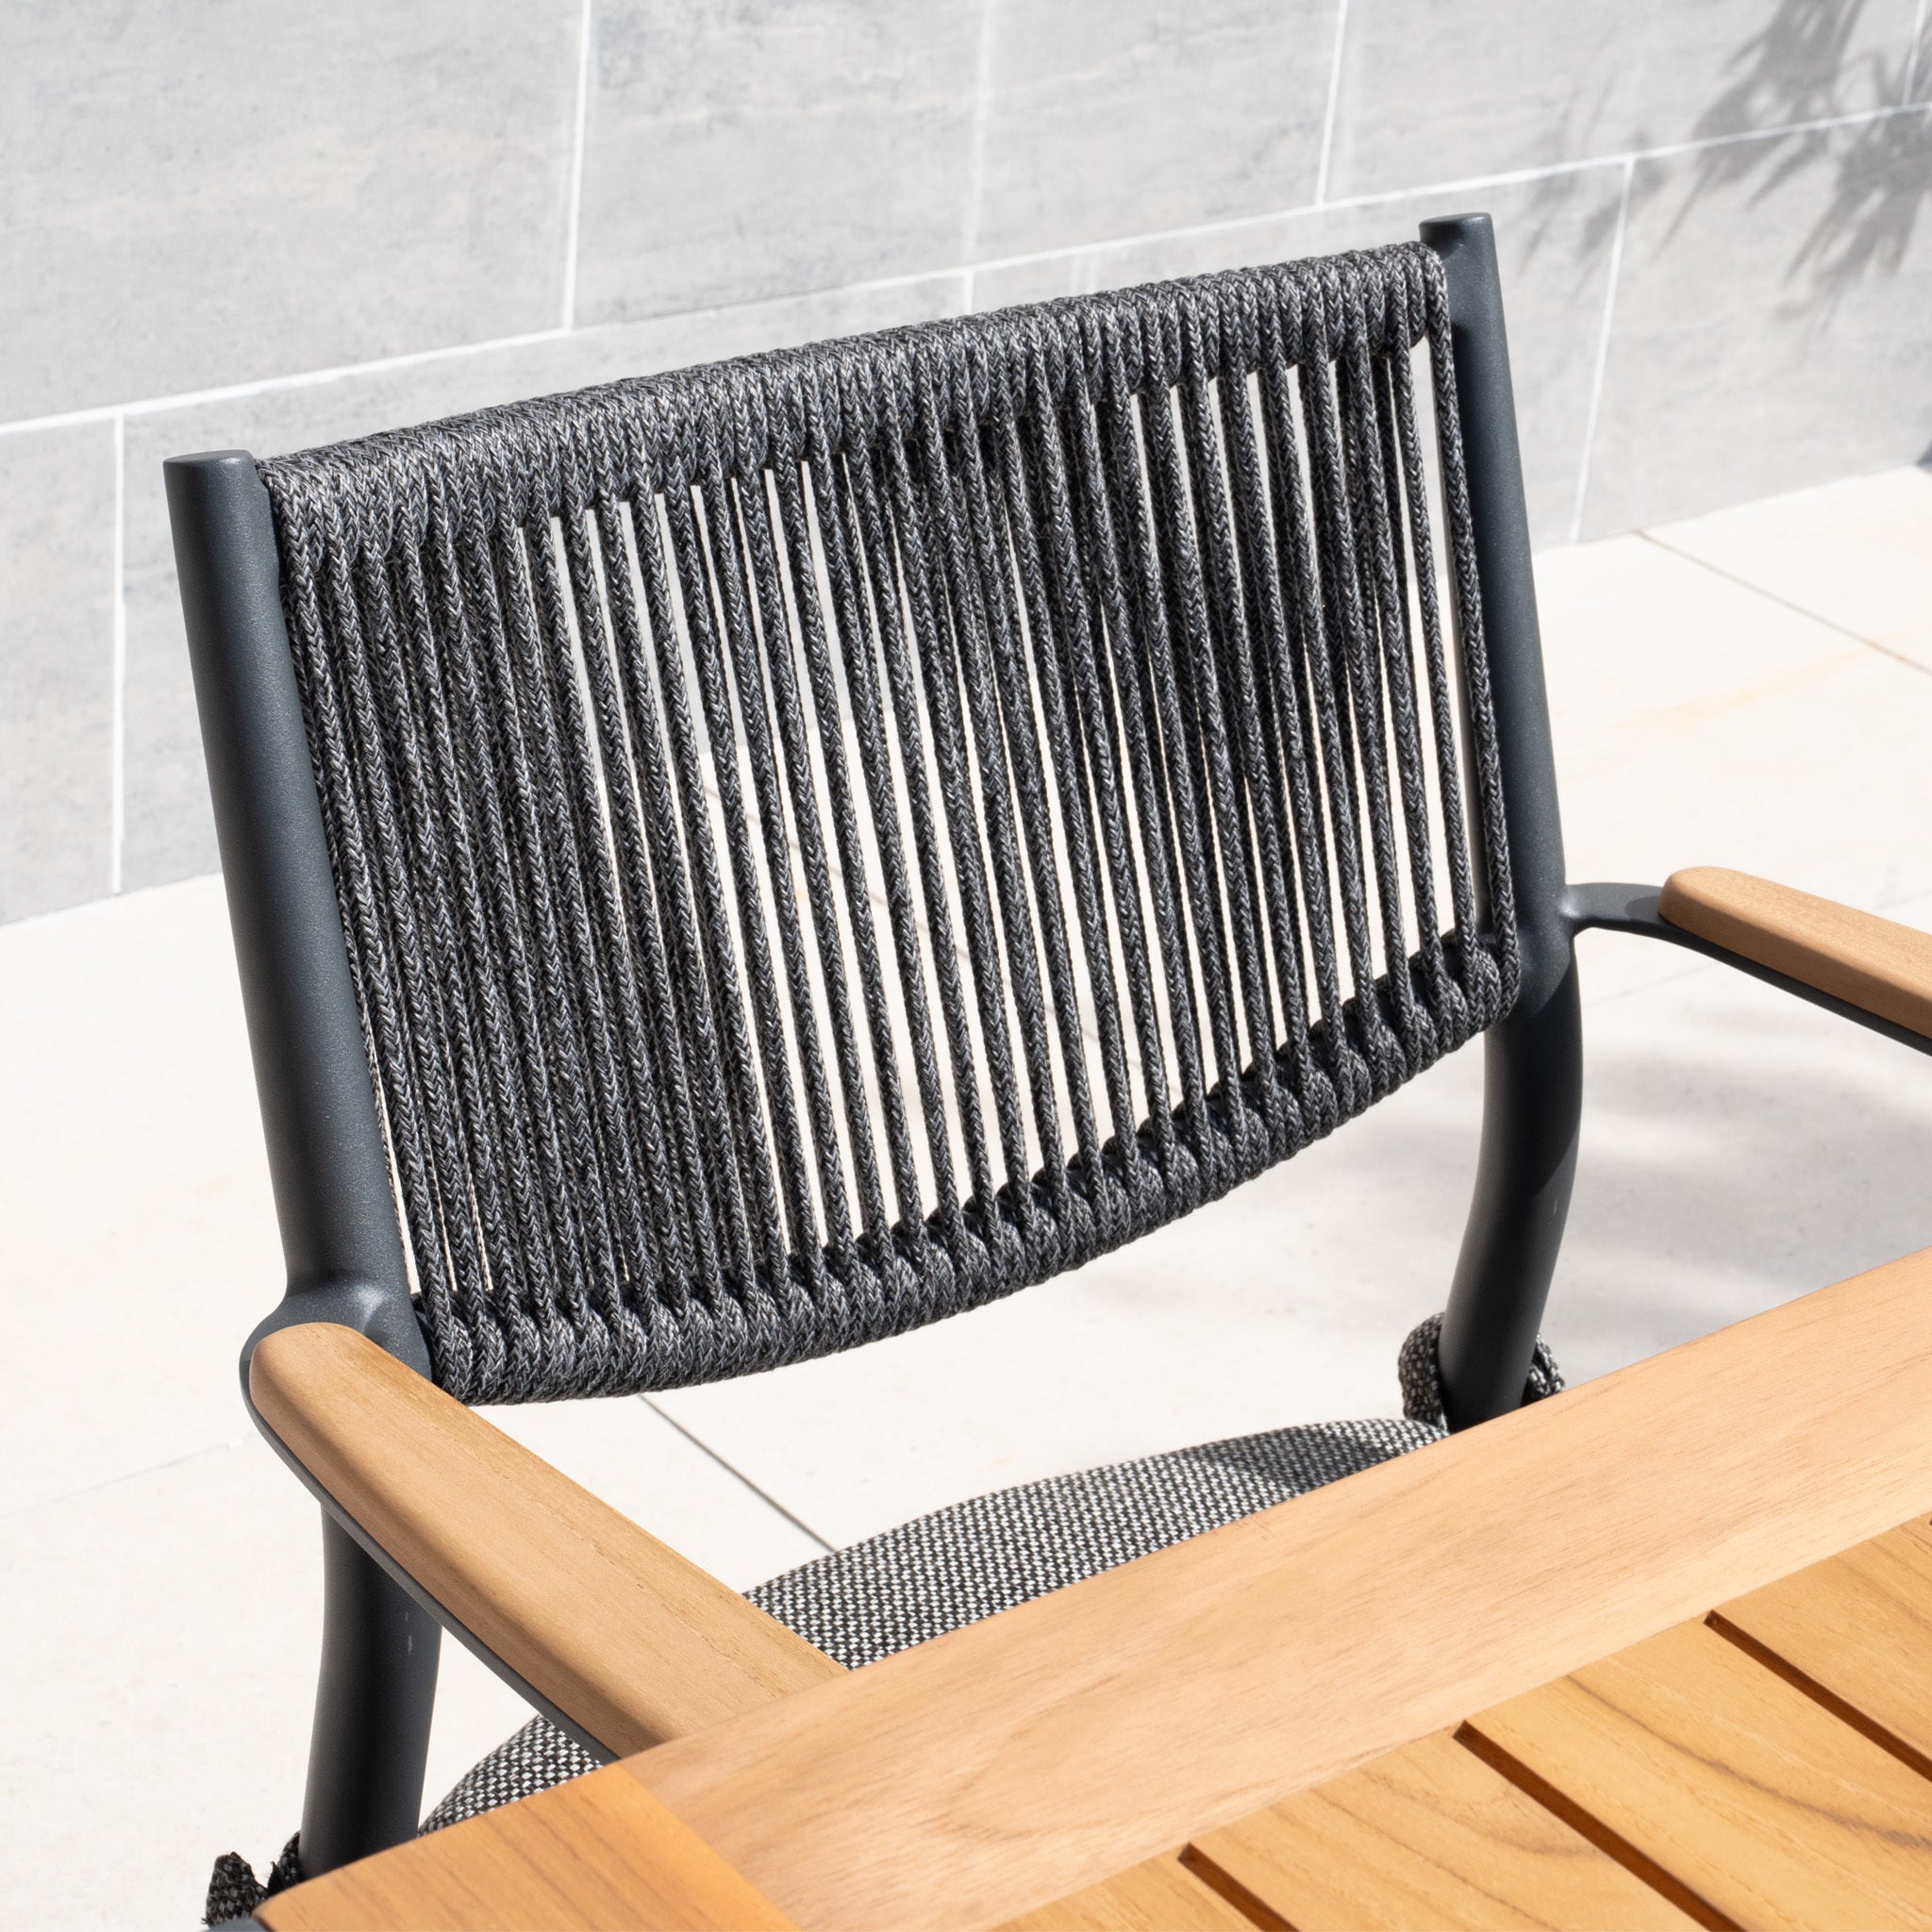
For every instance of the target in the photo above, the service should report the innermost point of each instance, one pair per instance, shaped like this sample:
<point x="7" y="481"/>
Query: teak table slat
<point x="1428" y="1836"/>
<point x="596" y="1855"/>
<point x="1855" y="1632"/>
<point x="1716" y="1770"/>
<point x="1654" y="1652"/>
<point x="1162" y="1895"/>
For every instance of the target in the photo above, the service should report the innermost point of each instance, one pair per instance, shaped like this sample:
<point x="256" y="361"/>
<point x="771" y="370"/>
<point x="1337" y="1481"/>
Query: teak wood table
<point x="1654" y="1652"/>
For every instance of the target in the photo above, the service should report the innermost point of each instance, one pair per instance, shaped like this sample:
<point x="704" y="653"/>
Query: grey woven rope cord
<point x="1487" y="772"/>
<point x="1018" y="991"/>
<point x="1019" y="515"/>
<point x="984" y="597"/>
<point x="758" y="692"/>
<point x="1338" y="454"/>
<point x="654" y="1063"/>
<point x="495" y="986"/>
<point x="1095" y="767"/>
<point x="869" y="539"/>
<point x="893" y="595"/>
<point x="1168" y="579"/>
<point x="1016" y="719"/>
<point x="1103" y="444"/>
<point x="1324" y="752"/>
<point x="855" y="658"/>
<point x="918" y="474"/>
<point x="1250" y="622"/>
<point x="1213" y="593"/>
<point x="653" y="902"/>
<point x="828" y="838"/>
<point x="816" y="652"/>
<point x="1286" y="753"/>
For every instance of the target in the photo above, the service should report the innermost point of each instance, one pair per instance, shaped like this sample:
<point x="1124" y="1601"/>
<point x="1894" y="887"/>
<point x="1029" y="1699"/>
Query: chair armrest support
<point x="625" y="1637"/>
<point x="1875" y="964"/>
<point x="1870" y="970"/>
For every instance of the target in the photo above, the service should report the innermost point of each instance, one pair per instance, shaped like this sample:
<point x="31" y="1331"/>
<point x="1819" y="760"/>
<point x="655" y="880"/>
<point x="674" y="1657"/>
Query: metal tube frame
<point x="325" y="1152"/>
<point x="1532" y="1059"/>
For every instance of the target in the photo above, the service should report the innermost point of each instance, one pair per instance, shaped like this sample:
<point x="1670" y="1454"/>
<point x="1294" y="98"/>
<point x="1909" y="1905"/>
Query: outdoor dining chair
<point x="733" y="865"/>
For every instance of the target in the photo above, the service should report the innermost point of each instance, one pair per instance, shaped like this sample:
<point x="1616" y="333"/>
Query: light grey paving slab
<point x="1441" y="93"/>
<point x="738" y="153"/>
<point x="1770" y="323"/>
<point x="620" y="1448"/>
<point x="1700" y="722"/>
<point x="1857" y="554"/>
<point x="1920" y="59"/>
<point x="57" y="689"/>
<point x="211" y="195"/>
<point x="170" y="828"/>
<point x="1553" y="240"/>
<point x="1105" y="119"/>
<point x="141" y="1243"/>
<point x="1739" y="1147"/>
<point x="164" y="1632"/>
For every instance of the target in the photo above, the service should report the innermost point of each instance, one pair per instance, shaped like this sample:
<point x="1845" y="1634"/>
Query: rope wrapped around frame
<point x="828" y="838"/>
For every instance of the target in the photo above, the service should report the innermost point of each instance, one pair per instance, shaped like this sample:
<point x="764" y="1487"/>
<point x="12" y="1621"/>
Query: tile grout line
<point x="1911" y="64"/>
<point x="575" y="219"/>
<point x="764" y="1496"/>
<point x="1731" y="576"/>
<point x="311" y="378"/>
<point x="117" y="728"/>
<point x="1603" y="351"/>
<point x="300" y="379"/>
<point x="1334" y="97"/>
<point x="126" y="1475"/>
<point x="975" y="173"/>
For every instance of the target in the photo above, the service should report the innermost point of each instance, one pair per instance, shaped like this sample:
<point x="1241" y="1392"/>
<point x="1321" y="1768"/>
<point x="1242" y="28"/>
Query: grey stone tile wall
<point x="1449" y="92"/>
<point x="57" y="668"/>
<point x="1108" y="118"/>
<point x="738" y="152"/>
<point x="1768" y="352"/>
<point x="212" y="191"/>
<point x="230" y="225"/>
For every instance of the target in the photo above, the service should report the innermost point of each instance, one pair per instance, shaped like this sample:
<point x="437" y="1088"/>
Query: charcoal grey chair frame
<point x="326" y="1145"/>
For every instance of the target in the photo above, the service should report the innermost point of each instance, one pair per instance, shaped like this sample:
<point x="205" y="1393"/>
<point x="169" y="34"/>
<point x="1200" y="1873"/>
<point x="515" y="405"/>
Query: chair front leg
<point x="373" y="1707"/>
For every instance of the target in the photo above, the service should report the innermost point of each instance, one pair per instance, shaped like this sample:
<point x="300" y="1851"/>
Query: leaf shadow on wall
<point x="1800" y="68"/>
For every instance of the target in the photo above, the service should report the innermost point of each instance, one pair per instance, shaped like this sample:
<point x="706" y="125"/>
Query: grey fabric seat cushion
<point x="959" y="1564"/>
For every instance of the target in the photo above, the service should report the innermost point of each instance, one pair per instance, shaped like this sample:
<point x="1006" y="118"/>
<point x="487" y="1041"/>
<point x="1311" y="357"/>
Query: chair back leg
<point x="1532" y="1105"/>
<point x="1533" y="1059"/>
<point x="326" y="1157"/>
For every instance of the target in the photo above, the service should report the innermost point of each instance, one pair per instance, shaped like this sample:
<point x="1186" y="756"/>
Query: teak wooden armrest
<point x="629" y="1640"/>
<point x="1872" y="963"/>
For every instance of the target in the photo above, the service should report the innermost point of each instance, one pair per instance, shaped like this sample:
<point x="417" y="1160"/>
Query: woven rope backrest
<point x="829" y="839"/>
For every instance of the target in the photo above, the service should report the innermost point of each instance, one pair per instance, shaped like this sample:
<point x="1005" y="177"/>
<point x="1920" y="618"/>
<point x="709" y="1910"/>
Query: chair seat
<point x="973" y="1559"/>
